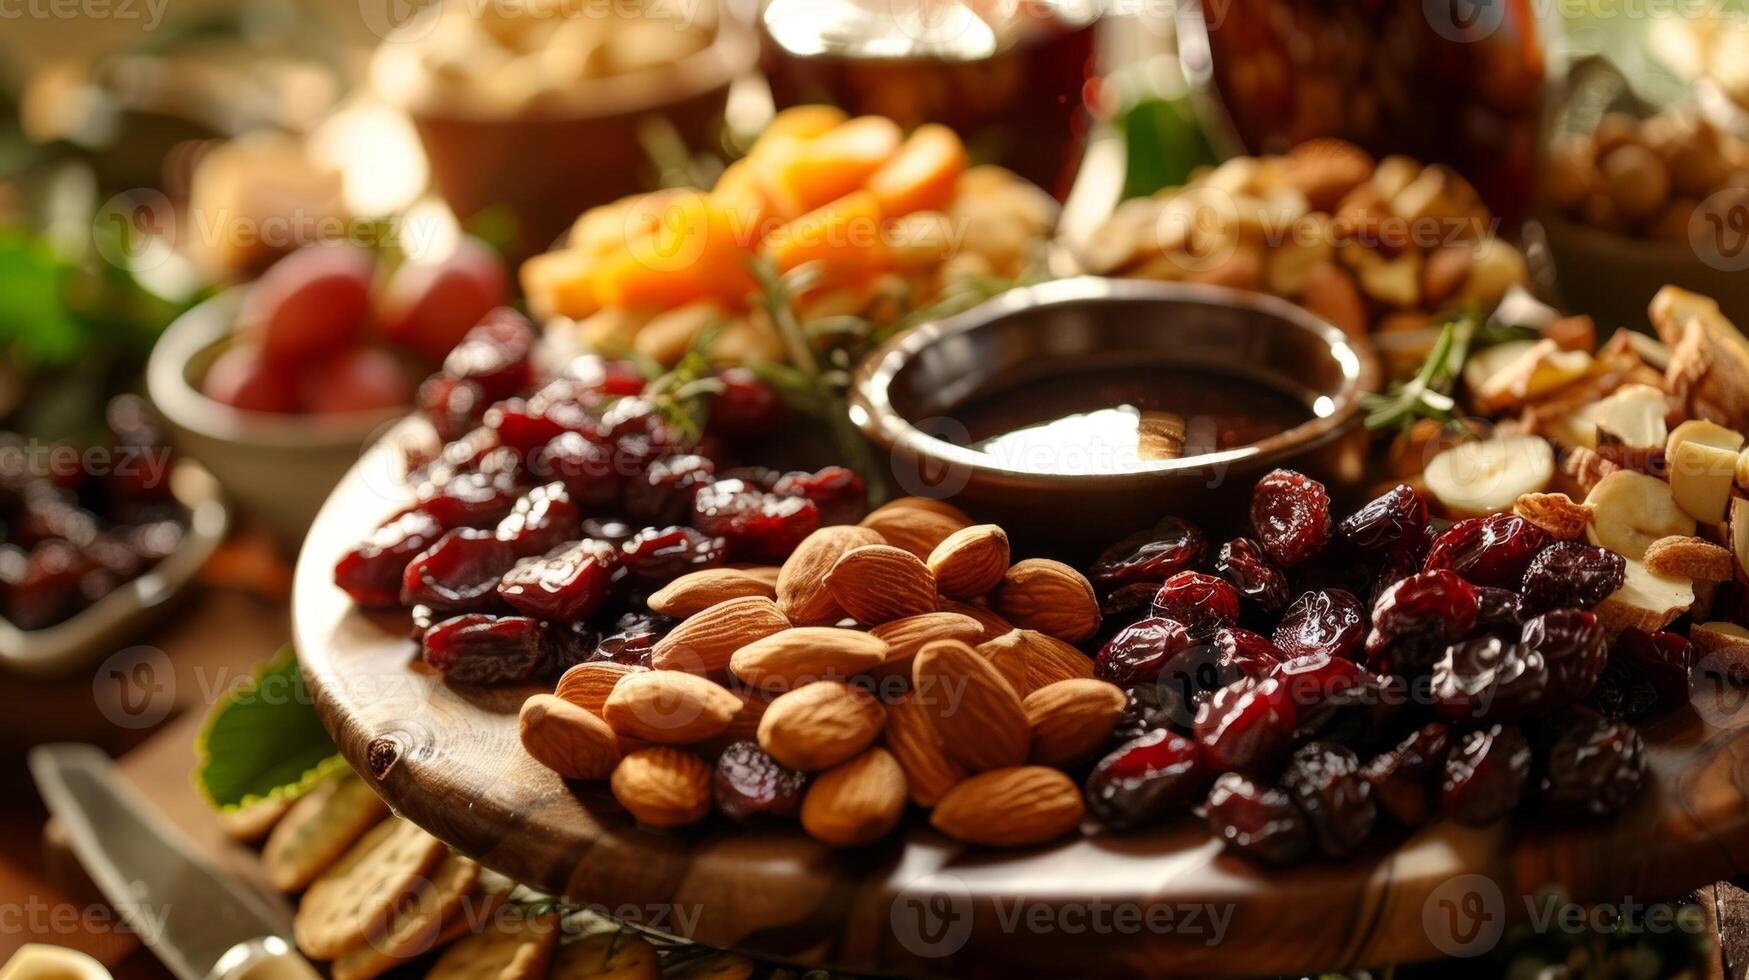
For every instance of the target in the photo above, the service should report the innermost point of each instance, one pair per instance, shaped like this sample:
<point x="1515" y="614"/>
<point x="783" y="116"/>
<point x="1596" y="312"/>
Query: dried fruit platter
<point x="1161" y="900"/>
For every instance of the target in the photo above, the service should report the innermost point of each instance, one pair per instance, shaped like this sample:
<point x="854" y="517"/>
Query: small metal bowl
<point x="904" y="398"/>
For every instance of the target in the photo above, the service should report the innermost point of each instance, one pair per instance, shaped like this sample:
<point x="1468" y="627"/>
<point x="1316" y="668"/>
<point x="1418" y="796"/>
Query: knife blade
<point x="199" y="921"/>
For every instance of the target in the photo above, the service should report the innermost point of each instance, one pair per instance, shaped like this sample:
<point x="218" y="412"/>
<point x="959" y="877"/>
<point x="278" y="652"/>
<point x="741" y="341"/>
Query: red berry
<point x="1246" y="726"/>
<point x="1203" y="603"/>
<point x="1493" y="550"/>
<point x="363" y="379"/>
<point x="460" y="572"/>
<point x="1243" y="562"/>
<point x="479" y="649"/>
<point x="1310" y="680"/>
<point x="313" y="301"/>
<point x="1485" y="774"/>
<point x="1257" y="820"/>
<point x="1248" y="653"/>
<point x="1329" y="621"/>
<point x="1290" y="513"/>
<point x="244" y="379"/>
<point x="748" y="783"/>
<point x="1146" y="778"/>
<point x="837" y="491"/>
<point x="569" y="585"/>
<point x="371" y="573"/>
<point x="542" y="519"/>
<point x="657" y="557"/>
<point x="428" y="307"/>
<point x="1395" y="518"/>
<point x="1139" y="652"/>
<point x="494" y="354"/>
<point x="757" y="526"/>
<point x="1323" y="780"/>
<point x="1150" y="556"/>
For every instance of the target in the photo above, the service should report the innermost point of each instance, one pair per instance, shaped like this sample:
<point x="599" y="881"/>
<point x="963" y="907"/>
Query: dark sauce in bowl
<point x="1115" y="419"/>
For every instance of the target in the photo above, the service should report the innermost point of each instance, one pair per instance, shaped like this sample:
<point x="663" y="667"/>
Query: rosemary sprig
<point x="1428" y="394"/>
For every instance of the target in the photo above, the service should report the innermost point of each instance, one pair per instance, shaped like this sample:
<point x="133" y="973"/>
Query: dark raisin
<point x="635" y="634"/>
<point x="748" y="784"/>
<point x="1485" y="773"/>
<point x="1243" y="562"/>
<point x="1330" y="621"/>
<point x="371" y="573"/>
<point x="1498" y="613"/>
<point x="1494" y="550"/>
<point x="1396" y="566"/>
<point x="1246" y="726"/>
<point x="1405" y="778"/>
<point x="1394" y="518"/>
<point x="1151" y="705"/>
<point x="1664" y="659"/>
<point x="1146" y="778"/>
<point x="1257" y="820"/>
<point x="838" y="492"/>
<point x="757" y="525"/>
<point x="1574" y="650"/>
<point x="659" y="556"/>
<point x="1570" y="575"/>
<point x="568" y="585"/>
<point x="1431" y="608"/>
<point x="1488" y="679"/>
<point x="1247" y="653"/>
<point x="479" y="649"/>
<point x="1153" y="555"/>
<point x="1595" y="768"/>
<point x="571" y="644"/>
<point x="1139" y="652"/>
<point x="1127" y="603"/>
<point x="1290" y="514"/>
<point x="1363" y="713"/>
<point x="1323" y="780"/>
<point x="662" y="494"/>
<point x="1203" y="603"/>
<point x="459" y="572"/>
<point x="542" y="519"/>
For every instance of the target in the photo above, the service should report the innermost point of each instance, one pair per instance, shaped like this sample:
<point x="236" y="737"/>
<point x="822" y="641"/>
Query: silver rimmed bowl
<point x="911" y="396"/>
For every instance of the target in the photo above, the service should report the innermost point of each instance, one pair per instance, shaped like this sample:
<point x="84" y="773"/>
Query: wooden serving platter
<point x="1163" y="901"/>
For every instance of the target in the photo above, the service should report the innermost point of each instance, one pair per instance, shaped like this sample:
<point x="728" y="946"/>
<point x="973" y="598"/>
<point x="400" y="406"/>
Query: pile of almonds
<point x="901" y="660"/>
<point x="1646" y="177"/>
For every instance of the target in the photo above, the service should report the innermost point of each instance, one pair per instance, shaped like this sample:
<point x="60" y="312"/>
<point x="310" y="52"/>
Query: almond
<point x="801" y="584"/>
<point x="804" y="654"/>
<point x="1009" y="659"/>
<point x="1047" y="658"/>
<point x="1048" y="596"/>
<point x="1555" y="513"/>
<point x="1692" y="558"/>
<point x="979" y="717"/>
<point x="588" y="685"/>
<point x="929" y="504"/>
<point x="994" y="625"/>
<point x="915" y="529"/>
<point x="764" y="573"/>
<point x="695" y="592"/>
<point x="969" y="562"/>
<point x="663" y="786"/>
<point x="904" y="637"/>
<point x="567" y="739"/>
<point x="913" y="740"/>
<point x="878" y="583"/>
<point x="1072" y="719"/>
<point x="669" y="707"/>
<point x="857" y="802"/>
<point x="1010" y="807"/>
<point x="703" y="644"/>
<point x="819" y="725"/>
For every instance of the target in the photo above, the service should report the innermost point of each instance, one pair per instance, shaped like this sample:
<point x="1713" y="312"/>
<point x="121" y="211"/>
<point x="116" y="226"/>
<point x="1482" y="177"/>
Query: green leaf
<point x="263" y="740"/>
<point x="34" y="321"/>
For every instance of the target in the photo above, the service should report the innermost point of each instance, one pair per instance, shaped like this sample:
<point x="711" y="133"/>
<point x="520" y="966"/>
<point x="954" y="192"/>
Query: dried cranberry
<point x="1404" y="779"/>
<point x="746" y="406"/>
<point x="1290" y="514"/>
<point x="568" y="585"/>
<point x="1257" y="820"/>
<point x="1570" y="575"/>
<point x="371" y="573"/>
<point x="662" y="495"/>
<point x="588" y="468"/>
<point x="1323" y="780"/>
<point x="1242" y="562"/>
<point x="633" y="637"/>
<point x="494" y="354"/>
<point x="1361" y="712"/>
<point x="1149" y="556"/>
<point x="1431" y="608"/>
<point x="569" y="406"/>
<point x="1246" y="726"/>
<point x="758" y="477"/>
<point x="609" y="529"/>
<point x="1330" y="621"/>
<point x="612" y="378"/>
<point x="1247" y="653"/>
<point x="758" y="526"/>
<point x="1485" y="774"/>
<point x="1311" y="679"/>
<point x="476" y="500"/>
<point x="1394" y="518"/>
<point x="521" y="427"/>
<point x="838" y="492"/>
<point x="452" y="407"/>
<point x="1488" y="679"/>
<point x="542" y="519"/>
<point x="1151" y="705"/>
<point x="1139" y="652"/>
<point x="1595" y="768"/>
<point x="1664" y="659"/>
<point x="1128" y="603"/>
<point x="1145" y="779"/>
<point x="748" y="783"/>
<point x="1203" y="603"/>
<point x="479" y="649"/>
<point x="459" y="572"/>
<point x="1498" y="612"/>
<point x="659" y="556"/>
<point x="1573" y="649"/>
<point x="1493" y="550"/>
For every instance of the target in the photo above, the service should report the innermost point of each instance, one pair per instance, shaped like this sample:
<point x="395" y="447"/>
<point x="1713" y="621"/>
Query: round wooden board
<point x="1164" y="901"/>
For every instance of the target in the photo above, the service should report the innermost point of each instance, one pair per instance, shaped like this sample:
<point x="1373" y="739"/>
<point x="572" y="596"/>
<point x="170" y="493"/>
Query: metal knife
<point x="203" y="924"/>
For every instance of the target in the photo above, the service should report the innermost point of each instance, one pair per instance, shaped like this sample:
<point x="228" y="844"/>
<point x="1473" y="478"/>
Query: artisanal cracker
<point x="357" y="896"/>
<point x="251" y="822"/>
<point x="1695" y="558"/>
<point x="509" y="948"/>
<point x="416" y="926"/>
<point x="606" y="956"/>
<point x="319" y="828"/>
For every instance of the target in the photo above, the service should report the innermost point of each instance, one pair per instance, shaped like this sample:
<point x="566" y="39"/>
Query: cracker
<point x="417" y="925"/>
<point x="319" y="828"/>
<point x="607" y="956"/>
<point x="509" y="948"/>
<point x="248" y="824"/>
<point x="359" y="894"/>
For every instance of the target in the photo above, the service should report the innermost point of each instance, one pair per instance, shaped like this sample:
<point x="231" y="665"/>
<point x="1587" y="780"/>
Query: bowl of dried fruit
<point x="1075" y="409"/>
